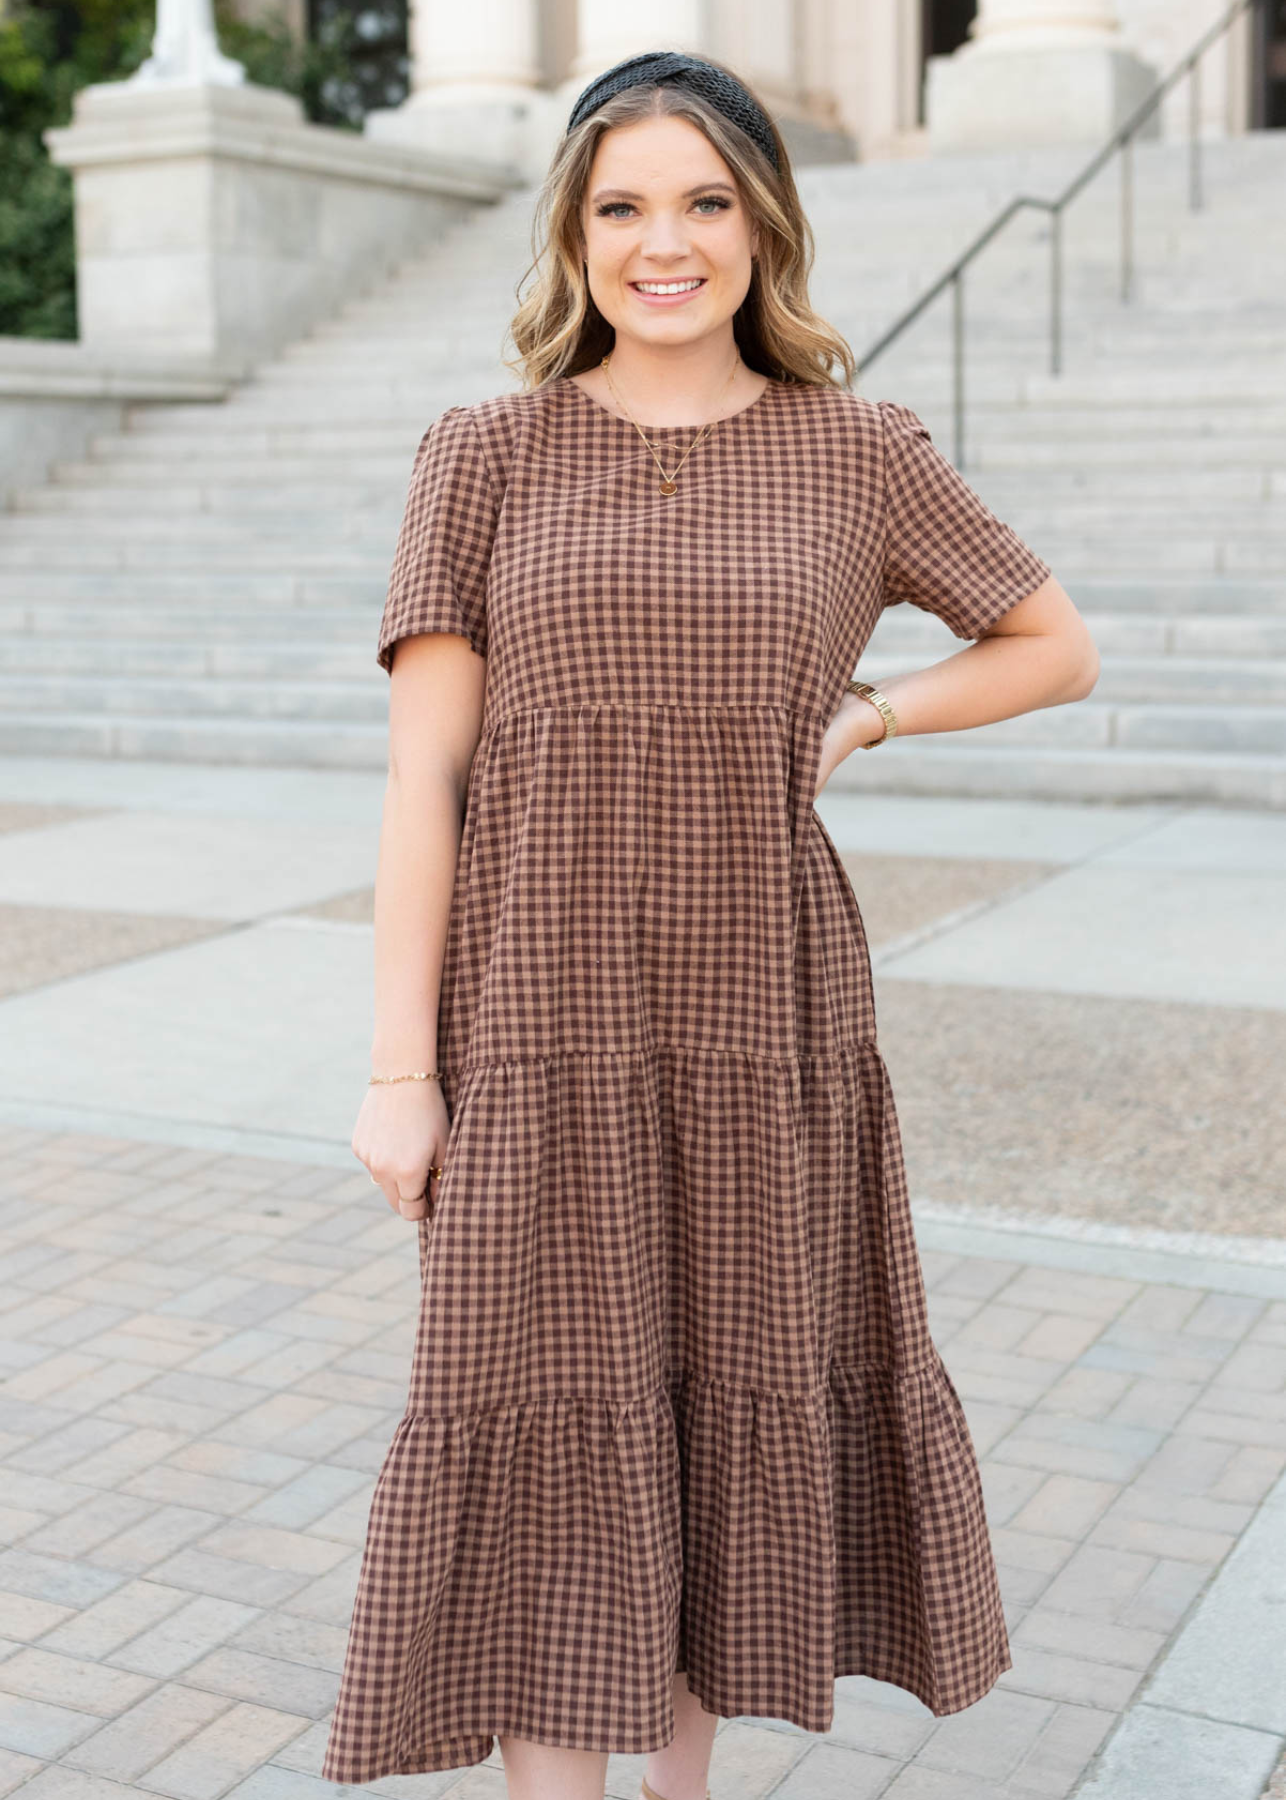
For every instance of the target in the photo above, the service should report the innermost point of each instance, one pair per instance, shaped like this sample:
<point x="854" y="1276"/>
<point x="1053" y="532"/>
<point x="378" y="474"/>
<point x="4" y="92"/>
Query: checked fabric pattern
<point x="673" y="1403"/>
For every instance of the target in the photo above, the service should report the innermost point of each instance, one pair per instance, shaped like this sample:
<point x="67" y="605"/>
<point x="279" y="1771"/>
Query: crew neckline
<point x="657" y="430"/>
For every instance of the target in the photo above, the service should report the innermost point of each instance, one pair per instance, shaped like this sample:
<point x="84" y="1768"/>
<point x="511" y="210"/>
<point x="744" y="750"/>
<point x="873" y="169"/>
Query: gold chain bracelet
<point x="865" y="691"/>
<point x="416" y="1075"/>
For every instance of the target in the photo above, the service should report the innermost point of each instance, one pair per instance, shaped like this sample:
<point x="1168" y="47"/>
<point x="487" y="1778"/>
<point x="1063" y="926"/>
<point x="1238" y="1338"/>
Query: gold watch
<point x="865" y="691"/>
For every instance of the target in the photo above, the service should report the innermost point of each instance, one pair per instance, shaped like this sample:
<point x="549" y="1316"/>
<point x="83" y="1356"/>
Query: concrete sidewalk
<point x="207" y="1320"/>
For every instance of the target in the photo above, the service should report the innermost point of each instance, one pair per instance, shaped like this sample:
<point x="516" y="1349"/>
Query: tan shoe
<point x="650" y="1793"/>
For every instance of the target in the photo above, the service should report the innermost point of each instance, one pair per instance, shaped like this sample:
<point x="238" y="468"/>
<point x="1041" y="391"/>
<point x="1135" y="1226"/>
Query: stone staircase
<point x="206" y="584"/>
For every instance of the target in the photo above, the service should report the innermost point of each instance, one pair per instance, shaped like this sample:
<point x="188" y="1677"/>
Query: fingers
<point x="415" y="1208"/>
<point x="412" y="1206"/>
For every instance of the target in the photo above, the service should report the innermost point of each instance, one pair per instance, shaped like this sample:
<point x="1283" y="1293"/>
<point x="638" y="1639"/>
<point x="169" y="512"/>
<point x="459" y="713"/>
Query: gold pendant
<point x="669" y="487"/>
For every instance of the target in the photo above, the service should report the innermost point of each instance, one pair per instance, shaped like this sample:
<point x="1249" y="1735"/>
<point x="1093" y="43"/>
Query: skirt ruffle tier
<point x="703" y="1429"/>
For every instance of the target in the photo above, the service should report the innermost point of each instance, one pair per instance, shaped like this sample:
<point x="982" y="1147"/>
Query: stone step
<point x="1163" y="225"/>
<point x="305" y="657"/>
<point x="274" y="743"/>
<point x="217" y="443"/>
<point x="1145" y="487"/>
<point x="1168" y="679"/>
<point x="436" y="348"/>
<point x="172" y="695"/>
<point x="24" y="547"/>
<point x="1210" y="385"/>
<point x="1178" y="595"/>
<point x="223" y="621"/>
<point x="1074" y="558"/>
<point x="926" y="766"/>
<point x="243" y="414"/>
<point x="862" y="288"/>
<point x="1213" y="727"/>
<point x="205" y="592"/>
<point x="905" y="630"/>
<point x="241" y="476"/>
<point x="1072" y="450"/>
<point x="256" y="512"/>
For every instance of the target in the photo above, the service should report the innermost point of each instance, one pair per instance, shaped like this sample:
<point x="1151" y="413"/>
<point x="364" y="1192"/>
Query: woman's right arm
<point x="435" y="719"/>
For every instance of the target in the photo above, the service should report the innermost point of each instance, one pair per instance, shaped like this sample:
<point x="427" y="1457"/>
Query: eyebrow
<point x="702" y="187"/>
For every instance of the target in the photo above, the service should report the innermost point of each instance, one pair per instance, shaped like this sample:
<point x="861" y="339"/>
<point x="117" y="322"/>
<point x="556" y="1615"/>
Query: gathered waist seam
<point x="690" y="706"/>
<point x="840" y="1052"/>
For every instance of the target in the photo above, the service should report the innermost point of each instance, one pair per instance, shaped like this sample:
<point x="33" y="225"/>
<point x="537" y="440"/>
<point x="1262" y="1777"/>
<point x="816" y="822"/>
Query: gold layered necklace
<point x="668" y="483"/>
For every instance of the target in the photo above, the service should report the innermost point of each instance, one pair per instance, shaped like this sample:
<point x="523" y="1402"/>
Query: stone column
<point x="1036" y="72"/>
<point x="608" y="32"/>
<point x="474" y="74"/>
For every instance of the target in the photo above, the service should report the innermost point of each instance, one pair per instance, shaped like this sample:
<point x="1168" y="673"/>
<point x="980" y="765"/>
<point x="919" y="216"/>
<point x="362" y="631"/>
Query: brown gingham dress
<point x="673" y="1402"/>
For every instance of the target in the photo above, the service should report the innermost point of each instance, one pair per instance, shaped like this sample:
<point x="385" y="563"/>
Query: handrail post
<point x="1056" y="291"/>
<point x="1194" y="136"/>
<point x="1127" y="216"/>
<point x="957" y="340"/>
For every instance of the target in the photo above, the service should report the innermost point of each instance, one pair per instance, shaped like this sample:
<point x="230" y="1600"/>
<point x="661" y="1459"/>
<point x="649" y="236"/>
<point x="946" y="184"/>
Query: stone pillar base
<point x="215" y="224"/>
<point x="985" y="98"/>
<point x="510" y="127"/>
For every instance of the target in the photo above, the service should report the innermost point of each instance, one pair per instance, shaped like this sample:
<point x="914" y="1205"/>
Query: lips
<point x="699" y="279"/>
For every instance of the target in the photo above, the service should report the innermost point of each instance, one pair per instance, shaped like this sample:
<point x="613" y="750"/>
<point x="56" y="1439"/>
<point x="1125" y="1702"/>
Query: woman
<point x="678" y="1444"/>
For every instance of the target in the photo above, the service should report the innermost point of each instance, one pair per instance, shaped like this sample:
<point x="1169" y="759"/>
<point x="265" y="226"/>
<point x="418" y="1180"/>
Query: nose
<point x="666" y="240"/>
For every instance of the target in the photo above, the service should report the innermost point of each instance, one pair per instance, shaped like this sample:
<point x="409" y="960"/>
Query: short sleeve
<point x="439" y="575"/>
<point x="945" y="551"/>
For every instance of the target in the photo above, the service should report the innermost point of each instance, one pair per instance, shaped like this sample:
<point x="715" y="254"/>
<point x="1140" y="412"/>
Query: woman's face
<point x="661" y="205"/>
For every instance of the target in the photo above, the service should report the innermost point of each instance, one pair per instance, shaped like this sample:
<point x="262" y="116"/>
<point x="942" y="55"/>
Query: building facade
<point x="869" y="80"/>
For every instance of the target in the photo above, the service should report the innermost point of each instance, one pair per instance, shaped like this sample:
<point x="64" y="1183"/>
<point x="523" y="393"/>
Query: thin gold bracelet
<point x="416" y="1075"/>
<point x="865" y="691"/>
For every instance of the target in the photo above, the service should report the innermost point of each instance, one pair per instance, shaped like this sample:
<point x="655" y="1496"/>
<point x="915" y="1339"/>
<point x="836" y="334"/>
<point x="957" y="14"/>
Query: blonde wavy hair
<point x="558" y="330"/>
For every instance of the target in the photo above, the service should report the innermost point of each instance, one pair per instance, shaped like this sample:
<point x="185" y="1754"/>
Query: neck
<point x="685" y="383"/>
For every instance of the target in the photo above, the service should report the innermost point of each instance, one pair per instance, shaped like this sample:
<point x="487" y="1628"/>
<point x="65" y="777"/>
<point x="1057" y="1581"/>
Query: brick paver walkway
<point x="205" y="1358"/>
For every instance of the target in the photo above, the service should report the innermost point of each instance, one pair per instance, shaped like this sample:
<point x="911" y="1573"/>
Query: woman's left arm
<point x="1039" y="653"/>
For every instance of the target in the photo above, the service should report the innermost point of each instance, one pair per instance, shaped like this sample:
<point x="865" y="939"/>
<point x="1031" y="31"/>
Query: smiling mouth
<point x="685" y="285"/>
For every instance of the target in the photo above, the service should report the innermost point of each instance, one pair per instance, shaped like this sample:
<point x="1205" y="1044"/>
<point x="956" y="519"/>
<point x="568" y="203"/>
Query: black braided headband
<point x="657" y="66"/>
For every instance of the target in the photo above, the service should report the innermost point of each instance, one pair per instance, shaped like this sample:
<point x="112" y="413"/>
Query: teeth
<point x="666" y="287"/>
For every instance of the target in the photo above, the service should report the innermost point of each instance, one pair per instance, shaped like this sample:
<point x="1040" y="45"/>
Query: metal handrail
<point x="1122" y="140"/>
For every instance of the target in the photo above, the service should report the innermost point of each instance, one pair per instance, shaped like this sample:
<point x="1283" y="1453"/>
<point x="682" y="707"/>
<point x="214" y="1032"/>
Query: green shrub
<point x="47" y="51"/>
<point x="355" y="59"/>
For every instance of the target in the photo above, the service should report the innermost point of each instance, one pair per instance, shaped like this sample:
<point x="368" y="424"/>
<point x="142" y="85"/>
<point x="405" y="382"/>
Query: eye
<point x="716" y="200"/>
